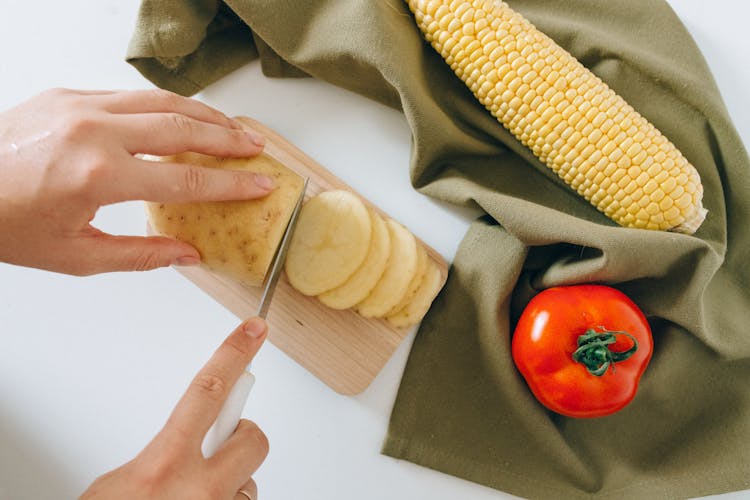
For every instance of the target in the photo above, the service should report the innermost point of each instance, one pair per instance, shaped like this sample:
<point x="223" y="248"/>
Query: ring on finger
<point x="246" y="494"/>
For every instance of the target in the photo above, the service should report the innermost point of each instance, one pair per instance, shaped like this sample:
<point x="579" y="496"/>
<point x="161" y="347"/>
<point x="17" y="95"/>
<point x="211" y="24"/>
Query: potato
<point x="364" y="279"/>
<point x="344" y="253"/>
<point x="400" y="270"/>
<point x="413" y="312"/>
<point x="236" y="239"/>
<point x="330" y="242"/>
<point x="416" y="281"/>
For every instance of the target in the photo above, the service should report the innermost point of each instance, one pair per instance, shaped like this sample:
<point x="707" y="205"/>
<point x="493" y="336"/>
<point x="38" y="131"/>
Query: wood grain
<point x="341" y="348"/>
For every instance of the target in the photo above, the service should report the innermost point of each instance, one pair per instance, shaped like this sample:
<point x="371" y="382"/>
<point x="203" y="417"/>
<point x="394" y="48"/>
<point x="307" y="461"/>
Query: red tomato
<point x="582" y="349"/>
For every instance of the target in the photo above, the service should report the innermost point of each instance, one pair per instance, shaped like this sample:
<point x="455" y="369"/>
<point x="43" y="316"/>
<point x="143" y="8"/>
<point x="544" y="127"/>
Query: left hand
<point x="172" y="466"/>
<point x="66" y="153"/>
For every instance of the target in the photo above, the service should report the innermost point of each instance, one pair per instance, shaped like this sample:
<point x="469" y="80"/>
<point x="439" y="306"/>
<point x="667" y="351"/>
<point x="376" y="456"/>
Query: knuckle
<point x="79" y="270"/>
<point x="195" y="180"/>
<point x="243" y="183"/>
<point x="160" y="469"/>
<point x="83" y="271"/>
<point x="212" y="114"/>
<point x="79" y="126"/>
<point x="210" y="385"/>
<point x="169" y="99"/>
<point x="183" y="125"/>
<point x="91" y="174"/>
<point x="240" y="180"/>
<point x="239" y="138"/>
<point x="240" y="344"/>
<point x="255" y="437"/>
<point x="98" y="169"/>
<point x="230" y="142"/>
<point x="56" y="92"/>
<point x="146" y="261"/>
<point x="220" y="117"/>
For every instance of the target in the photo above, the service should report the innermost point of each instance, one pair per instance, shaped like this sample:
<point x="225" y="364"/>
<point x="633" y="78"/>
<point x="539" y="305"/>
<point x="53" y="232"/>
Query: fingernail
<point x="187" y="260"/>
<point x="257" y="139"/>
<point x="264" y="182"/>
<point x="255" y="327"/>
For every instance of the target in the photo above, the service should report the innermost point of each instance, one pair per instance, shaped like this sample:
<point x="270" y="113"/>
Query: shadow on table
<point x="26" y="471"/>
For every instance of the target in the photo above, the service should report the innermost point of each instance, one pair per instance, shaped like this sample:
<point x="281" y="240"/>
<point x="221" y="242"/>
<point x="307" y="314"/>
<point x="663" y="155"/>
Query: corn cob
<point x="569" y="118"/>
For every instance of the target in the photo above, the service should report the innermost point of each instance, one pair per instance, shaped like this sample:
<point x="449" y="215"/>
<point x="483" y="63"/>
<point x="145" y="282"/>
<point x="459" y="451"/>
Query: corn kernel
<point x="569" y="118"/>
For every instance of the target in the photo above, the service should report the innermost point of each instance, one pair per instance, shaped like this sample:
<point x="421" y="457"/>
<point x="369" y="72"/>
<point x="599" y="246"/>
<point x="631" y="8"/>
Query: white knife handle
<point x="229" y="416"/>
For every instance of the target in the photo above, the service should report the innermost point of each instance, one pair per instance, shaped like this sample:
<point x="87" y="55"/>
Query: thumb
<point x="136" y="253"/>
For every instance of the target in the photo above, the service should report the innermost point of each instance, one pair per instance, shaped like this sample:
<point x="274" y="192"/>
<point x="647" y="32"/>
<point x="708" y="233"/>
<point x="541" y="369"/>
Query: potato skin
<point x="236" y="239"/>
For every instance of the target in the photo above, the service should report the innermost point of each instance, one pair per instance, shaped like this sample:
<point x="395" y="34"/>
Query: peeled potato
<point x="422" y="259"/>
<point x="400" y="270"/>
<point x="364" y="279"/>
<point x="413" y="312"/>
<point x="237" y="239"/>
<point x="330" y="242"/>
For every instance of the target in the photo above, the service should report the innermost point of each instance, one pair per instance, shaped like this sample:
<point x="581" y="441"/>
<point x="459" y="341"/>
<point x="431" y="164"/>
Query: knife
<point x="229" y="416"/>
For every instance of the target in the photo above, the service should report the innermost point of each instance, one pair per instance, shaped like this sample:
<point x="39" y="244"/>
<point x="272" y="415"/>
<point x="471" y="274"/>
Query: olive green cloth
<point x="462" y="408"/>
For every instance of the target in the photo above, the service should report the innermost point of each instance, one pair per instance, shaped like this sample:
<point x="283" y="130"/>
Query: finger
<point x="107" y="253"/>
<point x="244" y="451"/>
<point x="172" y="133"/>
<point x="93" y="92"/>
<point x="163" y="101"/>
<point x="168" y="182"/>
<point x="200" y="405"/>
<point x="248" y="491"/>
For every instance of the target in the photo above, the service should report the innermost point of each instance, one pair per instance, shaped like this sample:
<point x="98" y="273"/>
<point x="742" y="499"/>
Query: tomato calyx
<point x="594" y="353"/>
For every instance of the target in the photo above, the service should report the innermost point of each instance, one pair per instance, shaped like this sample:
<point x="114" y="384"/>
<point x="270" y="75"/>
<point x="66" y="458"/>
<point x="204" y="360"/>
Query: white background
<point x="90" y="368"/>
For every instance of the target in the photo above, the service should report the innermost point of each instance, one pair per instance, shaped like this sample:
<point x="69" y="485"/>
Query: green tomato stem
<point x="594" y="352"/>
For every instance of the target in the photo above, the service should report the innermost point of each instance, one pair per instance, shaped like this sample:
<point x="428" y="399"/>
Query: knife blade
<point x="229" y="416"/>
<point x="278" y="260"/>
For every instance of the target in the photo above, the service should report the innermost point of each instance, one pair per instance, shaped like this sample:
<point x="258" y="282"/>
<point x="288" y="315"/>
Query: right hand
<point x="172" y="466"/>
<point x="66" y="153"/>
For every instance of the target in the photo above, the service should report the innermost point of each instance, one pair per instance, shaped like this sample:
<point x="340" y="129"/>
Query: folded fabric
<point x="462" y="407"/>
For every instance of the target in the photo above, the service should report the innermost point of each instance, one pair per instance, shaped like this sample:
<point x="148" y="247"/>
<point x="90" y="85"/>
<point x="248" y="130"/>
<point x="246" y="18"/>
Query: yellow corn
<point x="571" y="120"/>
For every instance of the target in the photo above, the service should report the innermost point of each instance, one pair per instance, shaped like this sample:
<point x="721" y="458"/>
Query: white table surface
<point x="90" y="368"/>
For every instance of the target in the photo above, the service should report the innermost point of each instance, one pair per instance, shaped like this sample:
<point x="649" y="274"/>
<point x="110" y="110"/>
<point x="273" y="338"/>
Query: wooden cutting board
<point x="341" y="348"/>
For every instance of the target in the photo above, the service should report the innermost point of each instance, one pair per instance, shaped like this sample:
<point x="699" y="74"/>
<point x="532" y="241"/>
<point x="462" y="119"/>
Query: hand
<point x="172" y="465"/>
<point x="65" y="153"/>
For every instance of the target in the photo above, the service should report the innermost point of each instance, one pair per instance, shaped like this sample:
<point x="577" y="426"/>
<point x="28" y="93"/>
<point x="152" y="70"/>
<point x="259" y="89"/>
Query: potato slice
<point x="236" y="239"/>
<point x="416" y="281"/>
<point x="400" y="270"/>
<point x="330" y="242"/>
<point x="413" y="312"/>
<point x="364" y="279"/>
